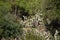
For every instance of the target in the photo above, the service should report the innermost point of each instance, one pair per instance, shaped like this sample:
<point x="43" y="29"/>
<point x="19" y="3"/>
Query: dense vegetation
<point x="10" y="27"/>
<point x="51" y="11"/>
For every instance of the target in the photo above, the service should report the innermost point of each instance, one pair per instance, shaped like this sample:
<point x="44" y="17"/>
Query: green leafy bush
<point x="9" y="28"/>
<point x="51" y="9"/>
<point x="31" y="36"/>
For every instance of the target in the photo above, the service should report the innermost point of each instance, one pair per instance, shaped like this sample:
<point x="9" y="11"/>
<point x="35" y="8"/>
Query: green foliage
<point x="51" y="9"/>
<point x="9" y="28"/>
<point x="8" y="25"/>
<point x="30" y="5"/>
<point x="31" y="36"/>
